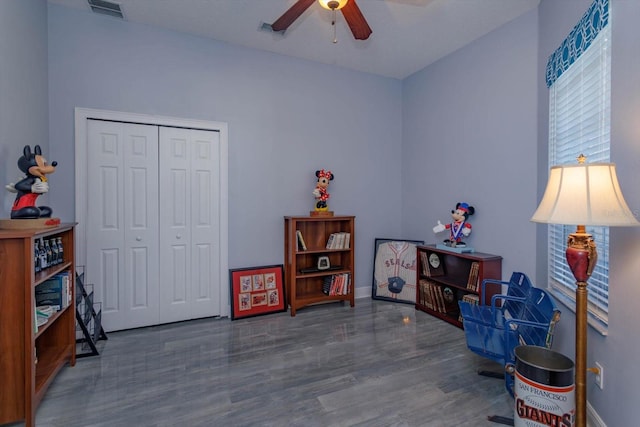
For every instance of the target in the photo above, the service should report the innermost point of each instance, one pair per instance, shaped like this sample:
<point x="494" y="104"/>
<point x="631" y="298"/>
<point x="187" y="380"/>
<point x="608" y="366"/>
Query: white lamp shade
<point x="325" y="3"/>
<point x="584" y="194"/>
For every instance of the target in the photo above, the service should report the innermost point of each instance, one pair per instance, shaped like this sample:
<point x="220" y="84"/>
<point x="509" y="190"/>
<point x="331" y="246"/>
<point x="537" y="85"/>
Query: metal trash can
<point x="544" y="388"/>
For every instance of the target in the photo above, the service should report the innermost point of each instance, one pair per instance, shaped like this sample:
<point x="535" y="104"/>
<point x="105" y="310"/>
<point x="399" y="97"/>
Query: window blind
<point x="580" y="123"/>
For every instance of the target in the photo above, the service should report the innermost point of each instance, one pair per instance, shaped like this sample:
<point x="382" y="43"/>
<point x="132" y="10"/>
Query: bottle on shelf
<point x="60" y="251"/>
<point x="36" y="259"/>
<point x="54" y="250"/>
<point x="43" y="255"/>
<point x="49" y="253"/>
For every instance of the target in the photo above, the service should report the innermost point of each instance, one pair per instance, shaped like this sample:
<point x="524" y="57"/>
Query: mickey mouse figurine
<point x="459" y="227"/>
<point x="320" y="192"/>
<point x="35" y="166"/>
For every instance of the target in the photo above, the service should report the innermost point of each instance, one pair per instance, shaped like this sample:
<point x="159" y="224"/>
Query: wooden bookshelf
<point x="31" y="359"/>
<point x="445" y="277"/>
<point x="304" y="284"/>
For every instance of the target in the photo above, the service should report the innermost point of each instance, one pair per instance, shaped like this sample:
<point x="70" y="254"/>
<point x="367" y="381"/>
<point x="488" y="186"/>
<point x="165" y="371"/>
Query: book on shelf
<point x="301" y="244"/>
<point x="40" y="320"/>
<point x="421" y="288"/>
<point x="437" y="297"/>
<point x="429" y="295"/>
<point x="45" y="311"/>
<point x="347" y="241"/>
<point x="432" y="264"/>
<point x="339" y="240"/>
<point x="424" y="262"/>
<point x="42" y="314"/>
<point x="54" y="292"/>
<point x="472" y="282"/>
<point x="330" y="240"/>
<point x="434" y="296"/>
<point x="471" y="299"/>
<point x="440" y="298"/>
<point x="337" y="284"/>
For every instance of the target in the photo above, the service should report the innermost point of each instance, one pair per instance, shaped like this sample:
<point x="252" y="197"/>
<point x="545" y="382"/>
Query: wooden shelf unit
<point x="31" y="360"/>
<point x="306" y="288"/>
<point x="438" y="290"/>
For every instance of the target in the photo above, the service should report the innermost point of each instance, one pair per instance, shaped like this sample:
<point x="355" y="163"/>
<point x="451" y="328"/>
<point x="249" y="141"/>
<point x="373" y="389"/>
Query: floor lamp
<point x="583" y="194"/>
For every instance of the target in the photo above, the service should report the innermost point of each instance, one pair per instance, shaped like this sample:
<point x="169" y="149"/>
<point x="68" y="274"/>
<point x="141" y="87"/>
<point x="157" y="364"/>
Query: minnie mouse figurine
<point x="27" y="190"/>
<point x="459" y="227"/>
<point x="320" y="192"/>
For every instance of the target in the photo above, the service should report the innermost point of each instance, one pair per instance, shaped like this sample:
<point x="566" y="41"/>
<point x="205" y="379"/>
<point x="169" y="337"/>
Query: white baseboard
<point x="593" y="419"/>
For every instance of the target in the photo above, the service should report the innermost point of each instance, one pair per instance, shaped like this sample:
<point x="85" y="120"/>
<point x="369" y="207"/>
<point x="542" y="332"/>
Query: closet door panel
<point x="141" y="218"/>
<point x="109" y="280"/>
<point x="179" y="269"/>
<point x="105" y="259"/>
<point x="205" y="220"/>
<point x="203" y="274"/>
<point x="175" y="224"/>
<point x="186" y="221"/>
<point x="122" y="222"/>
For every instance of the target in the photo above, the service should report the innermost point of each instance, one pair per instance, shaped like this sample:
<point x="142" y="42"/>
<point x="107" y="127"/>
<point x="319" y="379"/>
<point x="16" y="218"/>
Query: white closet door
<point x="189" y="224"/>
<point x="122" y="222"/>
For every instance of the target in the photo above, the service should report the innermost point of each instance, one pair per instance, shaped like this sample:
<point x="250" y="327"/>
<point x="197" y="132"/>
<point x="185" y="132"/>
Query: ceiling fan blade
<point x="291" y="15"/>
<point x="355" y="19"/>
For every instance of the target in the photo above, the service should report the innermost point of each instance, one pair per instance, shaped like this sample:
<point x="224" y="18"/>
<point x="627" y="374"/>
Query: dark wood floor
<point x="378" y="364"/>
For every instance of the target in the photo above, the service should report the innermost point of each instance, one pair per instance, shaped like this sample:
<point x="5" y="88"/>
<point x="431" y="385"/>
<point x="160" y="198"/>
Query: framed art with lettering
<point x="394" y="270"/>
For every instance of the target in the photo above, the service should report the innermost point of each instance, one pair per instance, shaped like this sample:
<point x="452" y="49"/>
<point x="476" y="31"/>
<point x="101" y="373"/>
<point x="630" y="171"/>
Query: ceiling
<point x="407" y="35"/>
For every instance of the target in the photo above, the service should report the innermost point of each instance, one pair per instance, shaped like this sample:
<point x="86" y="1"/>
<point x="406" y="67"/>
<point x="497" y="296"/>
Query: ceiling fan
<point x="352" y="14"/>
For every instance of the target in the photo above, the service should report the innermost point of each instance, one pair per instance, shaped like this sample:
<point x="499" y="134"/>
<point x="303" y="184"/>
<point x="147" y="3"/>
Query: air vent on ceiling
<point x="106" y="8"/>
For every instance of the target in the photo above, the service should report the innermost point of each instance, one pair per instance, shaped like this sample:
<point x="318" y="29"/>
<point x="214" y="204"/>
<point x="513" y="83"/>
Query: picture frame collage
<point x="256" y="291"/>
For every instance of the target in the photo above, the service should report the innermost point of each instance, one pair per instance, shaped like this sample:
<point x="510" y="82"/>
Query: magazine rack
<point x="88" y="319"/>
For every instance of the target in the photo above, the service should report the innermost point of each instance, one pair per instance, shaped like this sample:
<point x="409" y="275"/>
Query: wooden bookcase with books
<point x="31" y="355"/>
<point x="444" y="277"/>
<point x="319" y="260"/>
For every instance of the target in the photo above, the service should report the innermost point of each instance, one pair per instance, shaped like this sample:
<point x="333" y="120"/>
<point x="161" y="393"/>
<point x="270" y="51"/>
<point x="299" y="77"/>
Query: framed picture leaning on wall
<point x="394" y="270"/>
<point x="256" y="291"/>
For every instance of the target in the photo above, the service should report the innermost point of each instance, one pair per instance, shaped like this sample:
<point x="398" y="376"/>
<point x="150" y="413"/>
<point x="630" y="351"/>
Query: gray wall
<point x="23" y="88"/>
<point x="287" y="118"/>
<point x="619" y="351"/>
<point x="469" y="135"/>
<point x="471" y="127"/>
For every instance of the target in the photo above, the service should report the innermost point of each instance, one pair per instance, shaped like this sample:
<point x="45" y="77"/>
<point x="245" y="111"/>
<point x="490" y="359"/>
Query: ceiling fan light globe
<point x="333" y="4"/>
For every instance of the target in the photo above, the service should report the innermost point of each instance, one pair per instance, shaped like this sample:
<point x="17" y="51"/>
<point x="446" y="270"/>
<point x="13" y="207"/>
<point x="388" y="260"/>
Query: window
<point x="578" y="76"/>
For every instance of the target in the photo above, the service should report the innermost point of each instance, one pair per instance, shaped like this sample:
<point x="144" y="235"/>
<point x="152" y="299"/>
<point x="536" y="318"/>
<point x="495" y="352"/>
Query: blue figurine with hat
<point x="459" y="227"/>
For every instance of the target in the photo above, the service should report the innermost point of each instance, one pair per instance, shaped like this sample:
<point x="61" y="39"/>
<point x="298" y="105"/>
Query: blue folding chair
<point x="503" y="304"/>
<point x="494" y="331"/>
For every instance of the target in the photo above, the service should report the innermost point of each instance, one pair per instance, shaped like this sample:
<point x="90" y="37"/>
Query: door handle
<point x="178" y="236"/>
<point x="138" y="239"/>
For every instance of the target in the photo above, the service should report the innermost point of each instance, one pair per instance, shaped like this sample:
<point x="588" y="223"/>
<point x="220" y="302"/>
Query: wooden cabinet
<point x="307" y="284"/>
<point x="30" y="360"/>
<point x="444" y="277"/>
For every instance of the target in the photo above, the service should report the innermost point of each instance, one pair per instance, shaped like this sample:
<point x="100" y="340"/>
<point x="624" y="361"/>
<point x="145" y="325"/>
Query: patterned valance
<point x="579" y="39"/>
